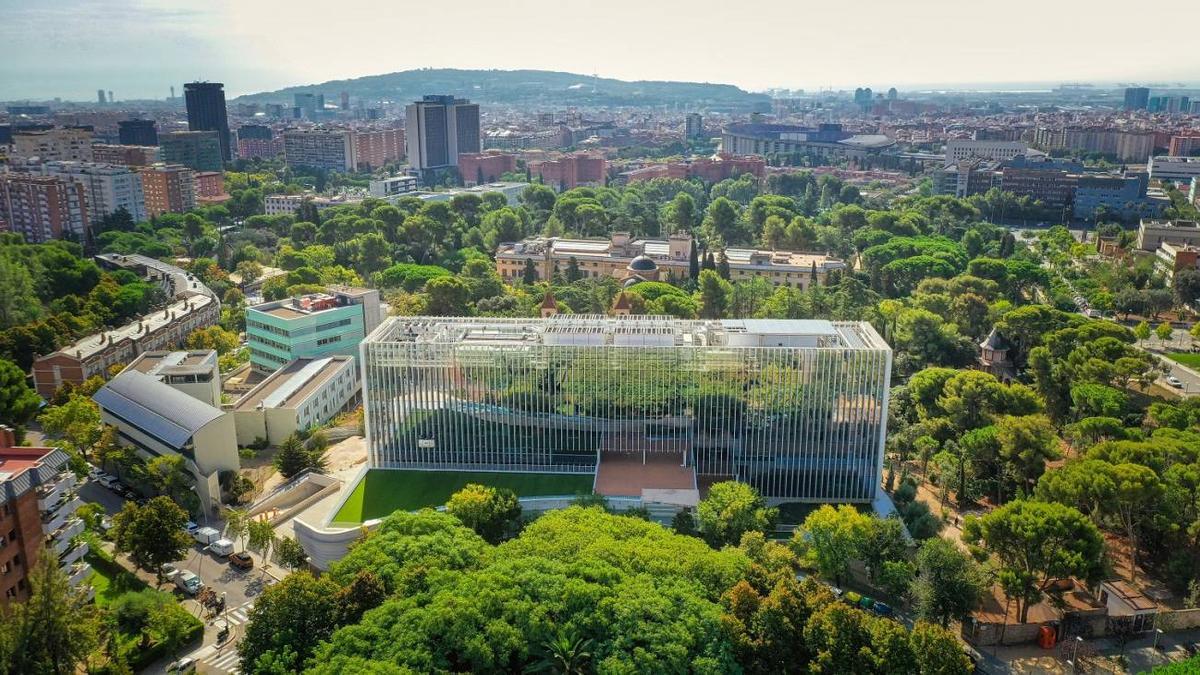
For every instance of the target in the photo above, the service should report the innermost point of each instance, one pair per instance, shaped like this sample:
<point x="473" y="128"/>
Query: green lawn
<point x="110" y="579"/>
<point x="383" y="491"/>
<point x="1186" y="358"/>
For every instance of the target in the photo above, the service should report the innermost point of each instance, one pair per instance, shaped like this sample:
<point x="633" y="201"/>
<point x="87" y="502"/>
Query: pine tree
<point x="723" y="266"/>
<point x="709" y="262"/>
<point x="573" y="273"/>
<point x="693" y="261"/>
<point x="530" y="275"/>
<point x="812" y="275"/>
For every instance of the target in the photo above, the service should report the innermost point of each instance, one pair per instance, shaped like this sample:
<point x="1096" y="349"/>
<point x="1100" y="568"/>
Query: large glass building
<point x="797" y="409"/>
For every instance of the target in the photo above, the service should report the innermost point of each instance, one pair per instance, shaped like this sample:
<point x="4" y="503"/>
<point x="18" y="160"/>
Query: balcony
<point x="60" y="513"/>
<point x="50" y="493"/>
<point x="74" y="554"/>
<point x="60" y="539"/>
<point x="78" y="573"/>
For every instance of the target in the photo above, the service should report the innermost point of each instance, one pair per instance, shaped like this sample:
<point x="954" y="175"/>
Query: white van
<point x="206" y="535"/>
<point x="221" y="547"/>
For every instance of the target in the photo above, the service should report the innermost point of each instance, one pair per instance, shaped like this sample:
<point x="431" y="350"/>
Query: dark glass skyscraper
<point x="206" y="111"/>
<point x="137" y="132"/>
<point x="1136" y="98"/>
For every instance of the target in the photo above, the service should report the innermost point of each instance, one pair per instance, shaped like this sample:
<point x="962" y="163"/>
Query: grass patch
<point x="1186" y="358"/>
<point x="382" y="491"/>
<point x="110" y="579"/>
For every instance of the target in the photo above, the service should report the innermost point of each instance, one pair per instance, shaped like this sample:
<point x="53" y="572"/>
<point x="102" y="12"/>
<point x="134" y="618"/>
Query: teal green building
<point x="310" y="326"/>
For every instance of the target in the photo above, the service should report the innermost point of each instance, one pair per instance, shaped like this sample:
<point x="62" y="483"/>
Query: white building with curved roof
<point x="158" y="420"/>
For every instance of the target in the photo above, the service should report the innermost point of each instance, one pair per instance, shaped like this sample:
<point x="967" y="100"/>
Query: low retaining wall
<point x="293" y="497"/>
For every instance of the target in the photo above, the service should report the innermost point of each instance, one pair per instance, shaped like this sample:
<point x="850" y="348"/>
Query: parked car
<point x="188" y="582"/>
<point x="184" y="665"/>
<point x="221" y="547"/>
<point x="168" y="571"/>
<point x="191" y="527"/>
<point x="241" y="560"/>
<point x="882" y="609"/>
<point x="866" y="602"/>
<point x="95" y="472"/>
<point x="1174" y="382"/>
<point x="107" y="480"/>
<point x="852" y="597"/>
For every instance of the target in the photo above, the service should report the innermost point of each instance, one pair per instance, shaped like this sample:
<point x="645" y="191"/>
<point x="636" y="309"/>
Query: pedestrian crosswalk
<point x="224" y="658"/>
<point x="236" y="616"/>
<point x="226" y="661"/>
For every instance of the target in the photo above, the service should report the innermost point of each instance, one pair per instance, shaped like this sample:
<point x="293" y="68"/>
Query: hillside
<point x="525" y="87"/>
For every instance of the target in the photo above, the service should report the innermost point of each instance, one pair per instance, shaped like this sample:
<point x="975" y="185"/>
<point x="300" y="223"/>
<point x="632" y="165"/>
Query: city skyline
<point x="70" y="49"/>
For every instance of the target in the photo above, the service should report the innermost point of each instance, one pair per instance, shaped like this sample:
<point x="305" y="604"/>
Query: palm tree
<point x="566" y="654"/>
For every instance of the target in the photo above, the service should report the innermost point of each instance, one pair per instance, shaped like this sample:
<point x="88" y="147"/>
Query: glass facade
<point x="795" y="408"/>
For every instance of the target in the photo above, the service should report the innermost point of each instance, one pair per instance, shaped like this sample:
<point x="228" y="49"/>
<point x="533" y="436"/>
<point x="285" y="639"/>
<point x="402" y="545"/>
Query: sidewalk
<point x="1097" y="656"/>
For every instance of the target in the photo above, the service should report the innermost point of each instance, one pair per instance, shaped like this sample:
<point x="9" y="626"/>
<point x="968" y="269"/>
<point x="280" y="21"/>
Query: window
<point x="5" y="568"/>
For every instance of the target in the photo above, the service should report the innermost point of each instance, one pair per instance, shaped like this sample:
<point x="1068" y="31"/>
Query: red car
<point x="242" y="560"/>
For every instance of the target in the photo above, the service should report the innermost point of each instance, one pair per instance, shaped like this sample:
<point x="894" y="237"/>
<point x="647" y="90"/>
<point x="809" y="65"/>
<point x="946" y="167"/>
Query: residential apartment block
<point x="314" y="325"/>
<point x="61" y="143"/>
<point x="571" y="171"/>
<point x="331" y="149"/>
<point x="484" y="167"/>
<point x="38" y="502"/>
<point x="168" y="188"/>
<point x="375" y="148"/>
<point x="959" y="150"/>
<point x="126" y="155"/>
<point x="109" y="187"/>
<point x="44" y="208"/>
<point x="94" y="354"/>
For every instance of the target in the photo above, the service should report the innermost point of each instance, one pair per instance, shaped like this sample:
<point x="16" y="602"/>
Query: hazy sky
<point x="138" y="48"/>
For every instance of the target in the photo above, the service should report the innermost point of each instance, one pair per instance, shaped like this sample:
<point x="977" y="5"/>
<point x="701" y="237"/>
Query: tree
<point x="1027" y="442"/>
<point x="365" y="592"/>
<point x="1142" y="330"/>
<point x="830" y="538"/>
<point x="684" y="522"/>
<point x="152" y="534"/>
<point x="448" y="296"/>
<point x="1163" y="332"/>
<point x="1135" y="500"/>
<point x="54" y="630"/>
<point x="949" y="583"/>
<point x="292" y="617"/>
<point x="1037" y="542"/>
<point x="290" y="554"/>
<point x="260" y="538"/>
<point x="170" y="624"/>
<point x="730" y="510"/>
<point x="169" y="476"/>
<point x="19" y="302"/>
<point x="76" y="422"/>
<point x="237" y="525"/>
<point x="491" y="512"/>
<point x="530" y="273"/>
<point x="18" y="402"/>
<point x="293" y="458"/>
<point x="566" y="654"/>
<point x="213" y="337"/>
<point x="938" y="652"/>
<point x="714" y="295"/>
